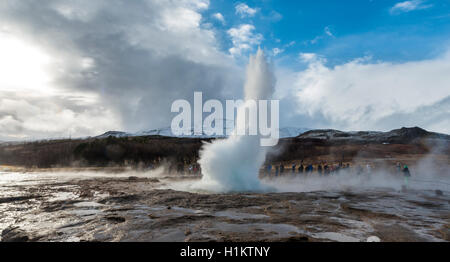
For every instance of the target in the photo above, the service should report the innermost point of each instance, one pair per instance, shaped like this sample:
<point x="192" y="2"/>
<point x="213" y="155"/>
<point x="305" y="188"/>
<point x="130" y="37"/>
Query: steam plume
<point x="233" y="164"/>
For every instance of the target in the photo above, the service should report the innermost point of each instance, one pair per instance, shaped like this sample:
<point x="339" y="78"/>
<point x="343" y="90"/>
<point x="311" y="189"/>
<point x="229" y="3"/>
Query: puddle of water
<point x="335" y="237"/>
<point x="239" y="215"/>
<point x="88" y="204"/>
<point x="101" y="195"/>
<point x="188" y="210"/>
<point x="84" y="213"/>
<point x="61" y="196"/>
<point x="281" y="230"/>
<point x="170" y="235"/>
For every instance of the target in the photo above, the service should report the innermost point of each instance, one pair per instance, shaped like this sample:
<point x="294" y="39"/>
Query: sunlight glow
<point x="23" y="66"/>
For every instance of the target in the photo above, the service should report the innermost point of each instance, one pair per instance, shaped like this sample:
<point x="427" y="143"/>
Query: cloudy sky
<point x="80" y="68"/>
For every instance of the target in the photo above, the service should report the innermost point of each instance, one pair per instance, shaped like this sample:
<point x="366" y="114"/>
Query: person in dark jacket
<point x="301" y="169"/>
<point x="406" y="175"/>
<point x="398" y="167"/>
<point x="406" y="172"/>
<point x="180" y="168"/>
<point x="269" y="169"/>
<point x="319" y="169"/>
<point x="310" y="168"/>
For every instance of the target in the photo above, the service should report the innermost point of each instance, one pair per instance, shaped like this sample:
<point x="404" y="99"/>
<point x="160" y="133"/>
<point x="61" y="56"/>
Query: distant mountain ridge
<point x="403" y="134"/>
<point x="285" y="132"/>
<point x="403" y="143"/>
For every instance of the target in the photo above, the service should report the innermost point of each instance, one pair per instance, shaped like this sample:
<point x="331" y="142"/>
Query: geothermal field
<point x="320" y="185"/>
<point x="125" y="205"/>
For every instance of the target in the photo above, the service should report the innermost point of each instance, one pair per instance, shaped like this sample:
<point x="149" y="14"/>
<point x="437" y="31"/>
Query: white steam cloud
<point x="233" y="164"/>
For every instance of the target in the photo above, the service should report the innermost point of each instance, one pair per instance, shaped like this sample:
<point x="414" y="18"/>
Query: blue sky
<point x="343" y="30"/>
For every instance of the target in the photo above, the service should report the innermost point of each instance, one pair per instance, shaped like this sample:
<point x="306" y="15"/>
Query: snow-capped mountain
<point x="285" y="132"/>
<point x="114" y="134"/>
<point x="401" y="135"/>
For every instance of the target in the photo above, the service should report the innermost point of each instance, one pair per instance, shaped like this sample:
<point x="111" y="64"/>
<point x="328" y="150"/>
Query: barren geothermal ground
<point x="88" y="205"/>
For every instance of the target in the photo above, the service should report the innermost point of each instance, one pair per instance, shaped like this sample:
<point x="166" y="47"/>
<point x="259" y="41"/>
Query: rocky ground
<point x="48" y="206"/>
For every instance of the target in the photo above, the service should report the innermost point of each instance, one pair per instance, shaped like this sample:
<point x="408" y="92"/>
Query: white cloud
<point x="243" y="38"/>
<point x="274" y="16"/>
<point x="85" y="11"/>
<point x="363" y="95"/>
<point x="311" y="58"/>
<point x="122" y="64"/>
<point x="244" y="10"/>
<point x="195" y="4"/>
<point x="328" y="32"/>
<point x="19" y="58"/>
<point x="276" y="51"/>
<point x="181" y="19"/>
<point x="219" y="17"/>
<point x="408" y="6"/>
<point x="37" y="116"/>
<point x="292" y="43"/>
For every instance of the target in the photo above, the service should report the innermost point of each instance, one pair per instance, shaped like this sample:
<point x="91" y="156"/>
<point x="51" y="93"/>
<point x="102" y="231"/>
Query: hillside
<point x="285" y="132"/>
<point x="403" y="135"/>
<point x="120" y="149"/>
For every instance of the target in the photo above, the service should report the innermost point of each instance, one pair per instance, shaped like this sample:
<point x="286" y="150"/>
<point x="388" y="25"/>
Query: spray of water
<point x="233" y="164"/>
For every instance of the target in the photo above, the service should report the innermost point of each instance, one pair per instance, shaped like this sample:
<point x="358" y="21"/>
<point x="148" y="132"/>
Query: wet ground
<point x="43" y="206"/>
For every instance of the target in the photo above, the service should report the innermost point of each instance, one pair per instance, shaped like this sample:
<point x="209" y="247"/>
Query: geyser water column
<point x="233" y="164"/>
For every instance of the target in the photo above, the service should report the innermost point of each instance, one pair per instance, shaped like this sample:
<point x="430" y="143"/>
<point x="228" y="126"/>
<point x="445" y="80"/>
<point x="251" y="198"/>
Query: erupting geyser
<point x="233" y="164"/>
